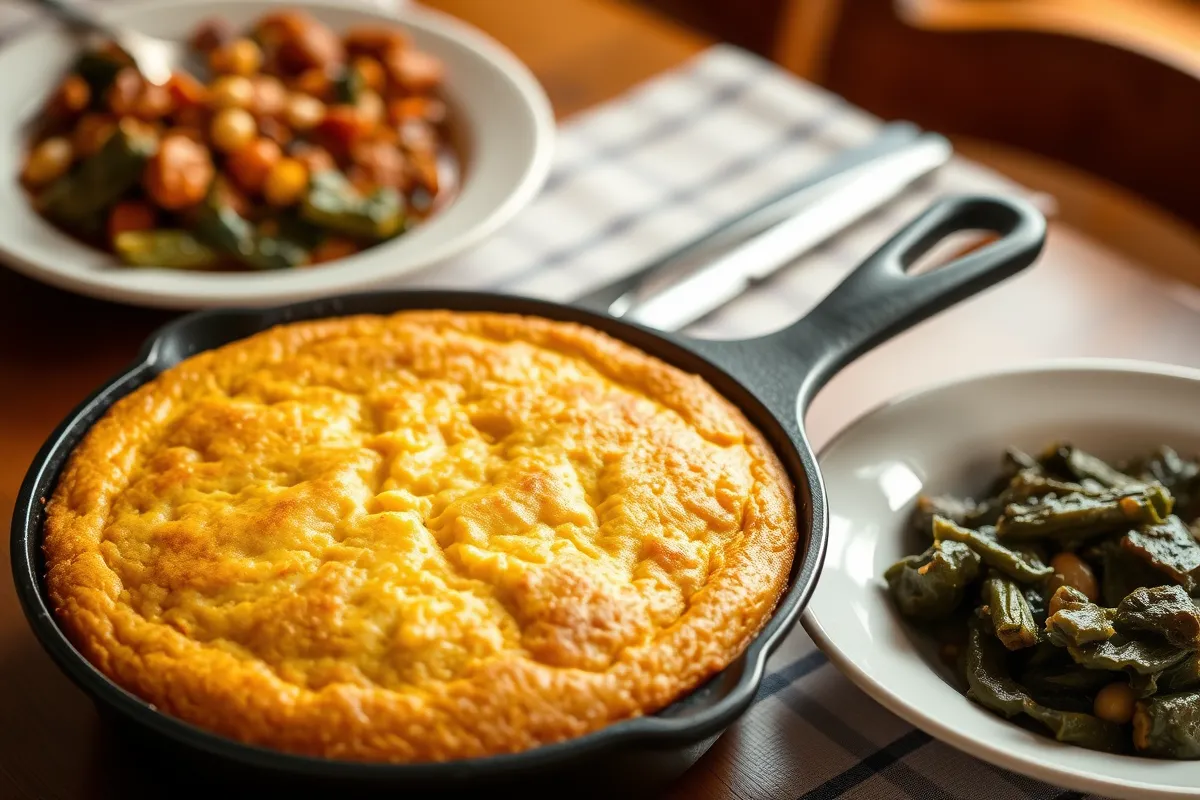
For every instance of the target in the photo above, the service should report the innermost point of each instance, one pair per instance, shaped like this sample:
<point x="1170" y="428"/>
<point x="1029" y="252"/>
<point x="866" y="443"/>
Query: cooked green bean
<point x="1012" y="619"/>
<point x="332" y="202"/>
<point x="992" y="686"/>
<point x="950" y="508"/>
<point x="1078" y="621"/>
<point x="1084" y="514"/>
<point x="987" y="675"/>
<point x="930" y="586"/>
<point x="1184" y="675"/>
<point x="1021" y="565"/>
<point x="1119" y="654"/>
<point x="1080" y="466"/>
<point x="1015" y="564"/>
<point x="225" y="231"/>
<point x="1181" y="477"/>
<point x="1170" y="548"/>
<point x="1165" y="610"/>
<point x="79" y="198"/>
<point x="1084" y="730"/>
<point x="172" y="249"/>
<point x="1168" y="726"/>
<point x="1065" y="679"/>
<point x="1032" y="483"/>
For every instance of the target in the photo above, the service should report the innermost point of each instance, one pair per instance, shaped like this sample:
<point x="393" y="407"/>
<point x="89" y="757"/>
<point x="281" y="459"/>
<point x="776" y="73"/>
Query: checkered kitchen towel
<point x="634" y="179"/>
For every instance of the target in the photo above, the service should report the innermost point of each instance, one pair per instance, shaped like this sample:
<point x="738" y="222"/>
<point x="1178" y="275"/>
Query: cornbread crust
<point x="420" y="537"/>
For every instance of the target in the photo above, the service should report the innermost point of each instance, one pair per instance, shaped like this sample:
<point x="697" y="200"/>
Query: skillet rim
<point x="663" y="729"/>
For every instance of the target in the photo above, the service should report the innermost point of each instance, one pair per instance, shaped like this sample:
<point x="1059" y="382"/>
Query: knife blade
<point x="692" y="254"/>
<point x="835" y="205"/>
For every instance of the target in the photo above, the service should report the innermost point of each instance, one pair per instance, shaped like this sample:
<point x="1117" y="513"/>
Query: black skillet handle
<point x="879" y="299"/>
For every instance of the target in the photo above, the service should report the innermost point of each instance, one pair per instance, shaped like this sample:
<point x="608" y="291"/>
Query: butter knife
<point x="836" y="204"/>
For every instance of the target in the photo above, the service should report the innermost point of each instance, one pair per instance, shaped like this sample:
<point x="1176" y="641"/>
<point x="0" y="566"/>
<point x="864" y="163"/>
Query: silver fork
<point x="155" y="58"/>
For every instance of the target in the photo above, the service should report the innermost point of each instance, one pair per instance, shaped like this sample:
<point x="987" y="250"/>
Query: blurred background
<point x="1089" y="100"/>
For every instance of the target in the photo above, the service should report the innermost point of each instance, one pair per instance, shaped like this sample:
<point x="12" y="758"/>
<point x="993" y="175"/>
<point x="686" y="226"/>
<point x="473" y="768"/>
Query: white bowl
<point x="501" y="113"/>
<point x="949" y="438"/>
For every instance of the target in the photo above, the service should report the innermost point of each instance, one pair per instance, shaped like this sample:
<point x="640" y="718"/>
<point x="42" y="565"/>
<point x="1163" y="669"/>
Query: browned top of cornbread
<point x="425" y="536"/>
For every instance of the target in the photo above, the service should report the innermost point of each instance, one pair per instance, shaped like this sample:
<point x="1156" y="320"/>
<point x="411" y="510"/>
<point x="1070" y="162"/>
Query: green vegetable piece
<point x="224" y="230"/>
<point x="1021" y="483"/>
<point x="82" y="195"/>
<point x="1168" y="468"/>
<point x="1118" y="654"/>
<point x="1170" y="548"/>
<point x="988" y="679"/>
<point x="333" y="203"/>
<point x="1127" y="521"/>
<point x="1122" y="572"/>
<point x="1068" y="460"/>
<point x="1168" y="726"/>
<point x="1032" y="483"/>
<point x="1180" y="476"/>
<point x="171" y="249"/>
<point x="930" y="586"/>
<point x="1144" y="685"/>
<point x="1078" y="621"/>
<point x="1184" y="675"/>
<point x="98" y="71"/>
<point x="929" y="507"/>
<point x="1084" y="514"/>
<point x="1018" y="566"/>
<point x="1084" y="730"/>
<point x="1013" y="462"/>
<point x="348" y="86"/>
<point x="1165" y="610"/>
<point x="304" y="234"/>
<point x="1012" y="619"/>
<point x="1064" y="679"/>
<point x="1058" y="682"/>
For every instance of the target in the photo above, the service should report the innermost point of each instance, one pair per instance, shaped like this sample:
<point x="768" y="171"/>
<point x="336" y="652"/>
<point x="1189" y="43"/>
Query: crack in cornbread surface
<point x="426" y="536"/>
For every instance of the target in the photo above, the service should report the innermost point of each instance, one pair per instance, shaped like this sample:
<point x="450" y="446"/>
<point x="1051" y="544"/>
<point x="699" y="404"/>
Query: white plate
<point x="949" y="439"/>
<point x="501" y="112"/>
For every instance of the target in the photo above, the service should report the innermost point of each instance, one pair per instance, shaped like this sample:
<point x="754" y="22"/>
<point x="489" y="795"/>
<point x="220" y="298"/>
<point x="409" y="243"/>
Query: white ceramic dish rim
<point x="371" y="268"/>
<point x="895" y="702"/>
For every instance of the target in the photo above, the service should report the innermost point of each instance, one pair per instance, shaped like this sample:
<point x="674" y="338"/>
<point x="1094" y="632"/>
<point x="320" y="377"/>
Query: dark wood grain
<point x="1114" y="91"/>
<point x="752" y="24"/>
<point x="583" y="51"/>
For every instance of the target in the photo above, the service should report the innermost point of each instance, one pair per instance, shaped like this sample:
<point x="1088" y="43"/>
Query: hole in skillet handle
<point x="880" y="298"/>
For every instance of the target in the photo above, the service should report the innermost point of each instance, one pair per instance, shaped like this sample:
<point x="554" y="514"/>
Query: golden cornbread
<point x="420" y="537"/>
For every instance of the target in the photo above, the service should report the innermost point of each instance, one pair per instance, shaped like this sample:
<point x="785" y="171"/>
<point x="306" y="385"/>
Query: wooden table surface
<point x="1083" y="299"/>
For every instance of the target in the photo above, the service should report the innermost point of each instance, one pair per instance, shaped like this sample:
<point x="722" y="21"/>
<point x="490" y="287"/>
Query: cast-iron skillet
<point x="772" y="379"/>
